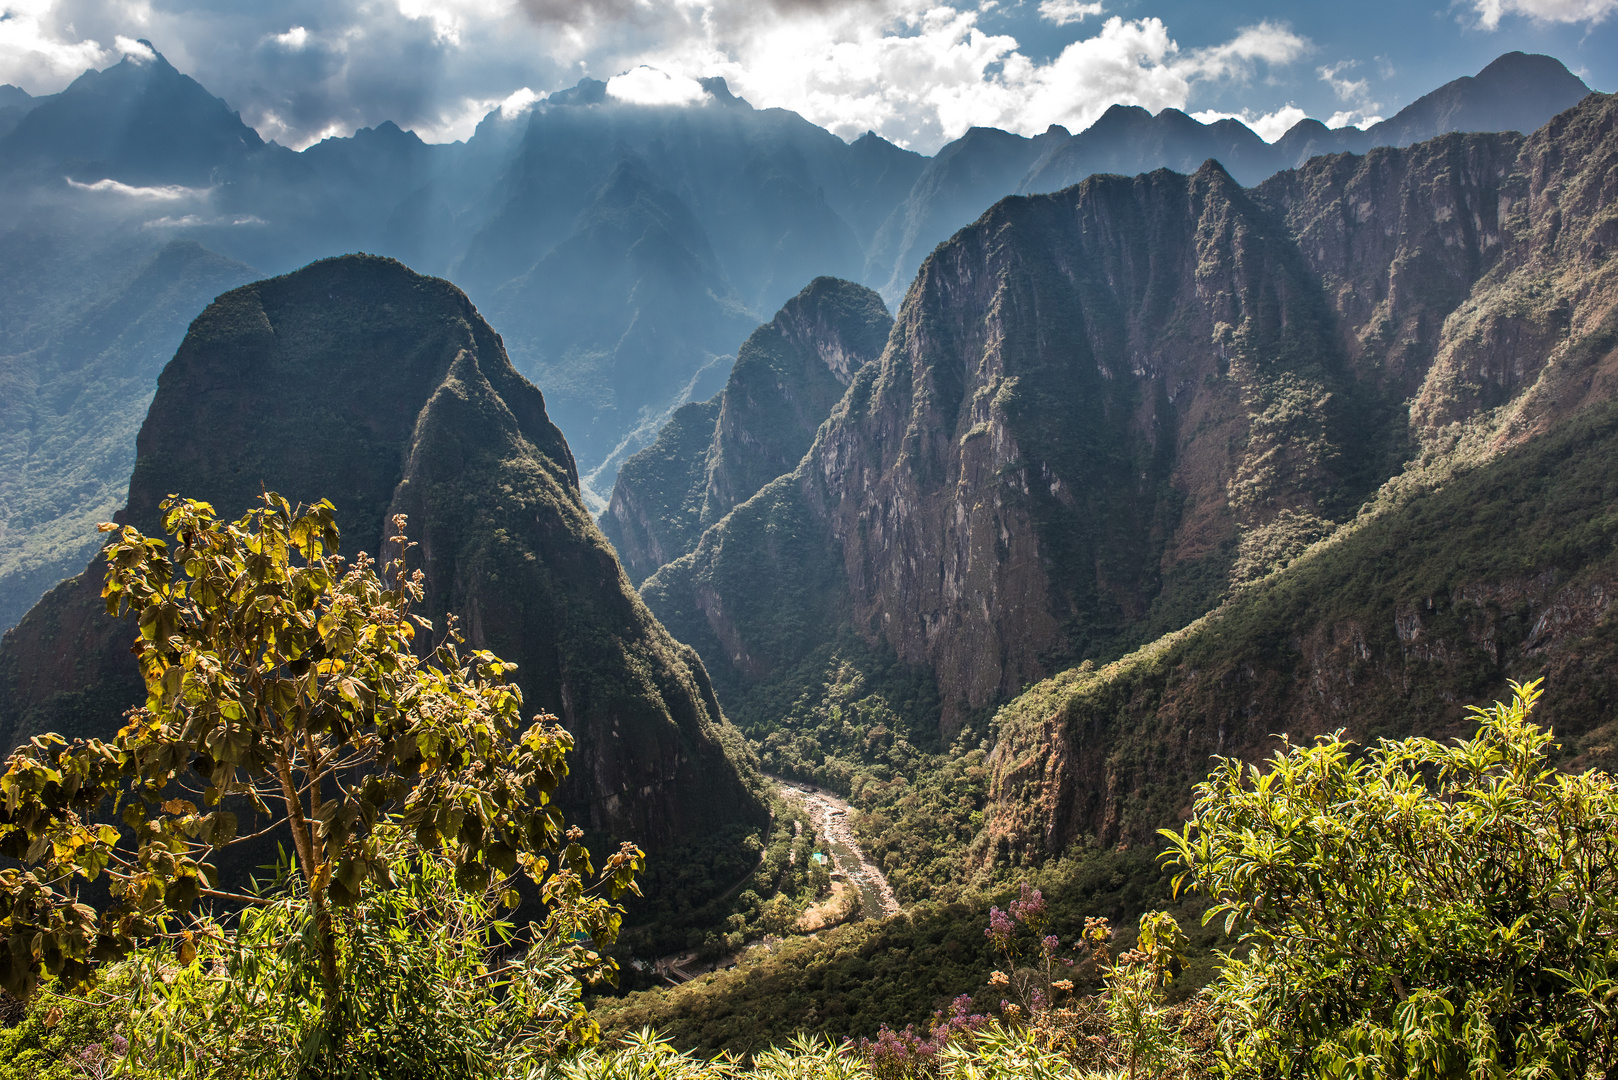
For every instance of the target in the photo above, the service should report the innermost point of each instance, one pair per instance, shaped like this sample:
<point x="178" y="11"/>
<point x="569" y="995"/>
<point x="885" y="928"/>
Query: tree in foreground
<point x="282" y="680"/>
<point x="1414" y="910"/>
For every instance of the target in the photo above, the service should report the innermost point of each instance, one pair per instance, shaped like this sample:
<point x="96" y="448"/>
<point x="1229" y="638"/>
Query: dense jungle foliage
<point x="1473" y="935"/>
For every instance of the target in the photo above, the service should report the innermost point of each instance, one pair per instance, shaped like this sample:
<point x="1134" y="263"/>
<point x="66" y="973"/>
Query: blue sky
<point x="917" y="71"/>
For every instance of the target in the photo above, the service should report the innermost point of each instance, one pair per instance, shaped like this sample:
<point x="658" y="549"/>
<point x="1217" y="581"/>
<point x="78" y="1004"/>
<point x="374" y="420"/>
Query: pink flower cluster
<point x="903" y="1053"/>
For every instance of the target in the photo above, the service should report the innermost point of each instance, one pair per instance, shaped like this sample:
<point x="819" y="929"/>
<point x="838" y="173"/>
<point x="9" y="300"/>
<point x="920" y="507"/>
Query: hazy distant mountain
<point x="78" y="366"/>
<point x="139" y="121"/>
<point x="15" y="103"/>
<point x="625" y="319"/>
<point x="965" y="178"/>
<point x="1517" y="92"/>
<point x="623" y="250"/>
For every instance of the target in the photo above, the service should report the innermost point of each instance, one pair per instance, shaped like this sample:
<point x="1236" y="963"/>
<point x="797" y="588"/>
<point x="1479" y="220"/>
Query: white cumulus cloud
<point x="1490" y="12"/>
<point x="34" y="55"/>
<point x="1273" y="43"/>
<point x="1352" y="118"/>
<point x="648" y="86"/>
<point x="1267" y="126"/>
<point x="1062" y="12"/>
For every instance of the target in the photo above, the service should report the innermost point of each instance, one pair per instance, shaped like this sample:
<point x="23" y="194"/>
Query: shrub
<point x="283" y="681"/>
<point x="1416" y="909"/>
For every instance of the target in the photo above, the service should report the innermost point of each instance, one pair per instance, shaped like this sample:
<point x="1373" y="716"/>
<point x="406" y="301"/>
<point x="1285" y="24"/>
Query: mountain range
<point x="1216" y="462"/>
<point x="623" y="250"/>
<point x="1287" y="437"/>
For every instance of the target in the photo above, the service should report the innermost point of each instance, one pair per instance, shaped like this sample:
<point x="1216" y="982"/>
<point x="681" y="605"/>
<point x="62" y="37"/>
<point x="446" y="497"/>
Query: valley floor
<point x="830" y="817"/>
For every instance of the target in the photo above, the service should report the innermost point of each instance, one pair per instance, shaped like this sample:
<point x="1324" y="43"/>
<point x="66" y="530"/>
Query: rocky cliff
<point x="714" y="455"/>
<point x="358" y="380"/>
<point x="1489" y="558"/>
<point x="1100" y="406"/>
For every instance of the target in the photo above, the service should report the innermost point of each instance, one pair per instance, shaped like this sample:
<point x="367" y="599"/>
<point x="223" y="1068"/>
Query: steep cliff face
<point x="1097" y="403"/>
<point x="1489" y="558"/>
<point x="787" y="376"/>
<point x="1509" y="572"/>
<point x="359" y="381"/>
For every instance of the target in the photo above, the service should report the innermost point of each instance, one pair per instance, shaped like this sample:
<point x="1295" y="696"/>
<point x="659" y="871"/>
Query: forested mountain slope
<point x="713" y="455"/>
<point x="1100" y="409"/>
<point x="357" y="380"/>
<point x="83" y="335"/>
<point x="623" y="249"/>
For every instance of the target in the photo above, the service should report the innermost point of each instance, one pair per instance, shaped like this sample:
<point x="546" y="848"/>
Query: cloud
<point x="113" y="187"/>
<point x="34" y="55"/>
<point x="931" y="73"/>
<point x="193" y="221"/>
<point x="517" y="103"/>
<point x="1490" y="12"/>
<point x="916" y="71"/>
<point x="1273" y="43"/>
<point x="648" y="86"/>
<point x="1352" y="118"/>
<point x="138" y="51"/>
<point x="1362" y="112"/>
<point x="294" y="39"/>
<point x="1269" y="126"/>
<point x="1062" y="12"/>
<point x="1345" y="88"/>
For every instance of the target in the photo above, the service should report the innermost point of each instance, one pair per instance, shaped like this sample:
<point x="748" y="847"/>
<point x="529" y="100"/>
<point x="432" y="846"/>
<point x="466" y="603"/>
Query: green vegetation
<point x="1414" y="909"/>
<point x="1420" y="909"/>
<point x="714" y="896"/>
<point x="848" y="982"/>
<point x="1433" y="598"/>
<point x="84" y="331"/>
<point x="276" y="674"/>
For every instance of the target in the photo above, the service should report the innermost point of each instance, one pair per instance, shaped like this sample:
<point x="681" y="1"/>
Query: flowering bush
<point x="1033" y="957"/>
<point x="894" y="1055"/>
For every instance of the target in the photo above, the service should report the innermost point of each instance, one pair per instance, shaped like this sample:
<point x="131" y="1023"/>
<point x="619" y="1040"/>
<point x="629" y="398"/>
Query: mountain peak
<point x="140" y="120"/>
<point x="719" y="90"/>
<point x="1516" y="92"/>
<point x="586" y="91"/>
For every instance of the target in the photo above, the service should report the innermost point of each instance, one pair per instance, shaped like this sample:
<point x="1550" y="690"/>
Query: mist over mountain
<point x="623" y="250"/>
